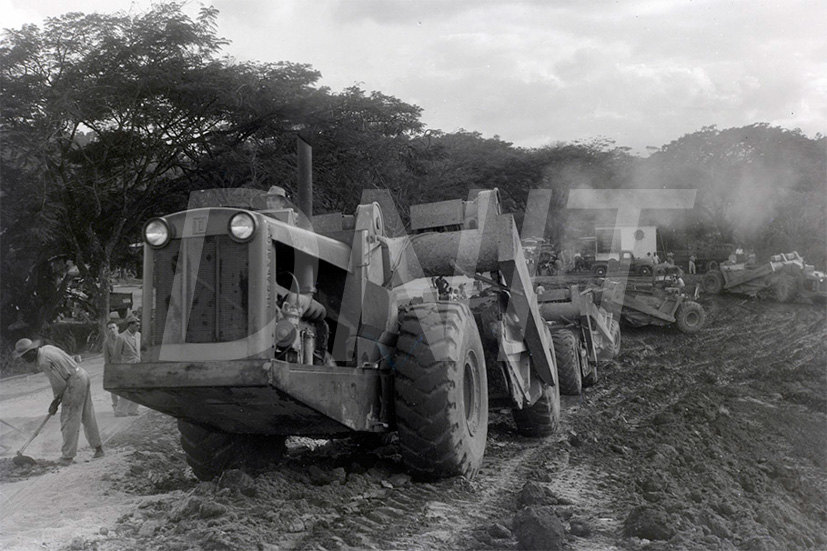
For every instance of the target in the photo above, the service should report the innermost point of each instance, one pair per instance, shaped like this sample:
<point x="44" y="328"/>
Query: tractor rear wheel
<point x="441" y="391"/>
<point x="713" y="282"/>
<point x="567" y="351"/>
<point x="542" y="418"/>
<point x="690" y="317"/>
<point x="210" y="452"/>
<point x="785" y="288"/>
<point x="611" y="352"/>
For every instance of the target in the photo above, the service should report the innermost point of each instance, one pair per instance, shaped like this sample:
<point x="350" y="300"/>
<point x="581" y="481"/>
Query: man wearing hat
<point x="72" y="391"/>
<point x="129" y="351"/>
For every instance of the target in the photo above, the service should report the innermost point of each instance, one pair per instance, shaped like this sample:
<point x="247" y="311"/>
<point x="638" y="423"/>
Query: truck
<point x="622" y="248"/>
<point x="640" y="241"/>
<point x="784" y="276"/>
<point x="260" y="324"/>
<point x="120" y="302"/>
<point x="626" y="263"/>
<point x="707" y="257"/>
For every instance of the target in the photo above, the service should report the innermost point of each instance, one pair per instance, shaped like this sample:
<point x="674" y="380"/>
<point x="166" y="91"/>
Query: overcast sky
<point x="536" y="72"/>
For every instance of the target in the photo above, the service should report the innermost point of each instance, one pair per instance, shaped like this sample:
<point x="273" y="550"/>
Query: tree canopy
<point x="109" y="119"/>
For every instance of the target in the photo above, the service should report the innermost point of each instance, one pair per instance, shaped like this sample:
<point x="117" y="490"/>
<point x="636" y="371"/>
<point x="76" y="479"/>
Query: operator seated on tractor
<point x="669" y="278"/>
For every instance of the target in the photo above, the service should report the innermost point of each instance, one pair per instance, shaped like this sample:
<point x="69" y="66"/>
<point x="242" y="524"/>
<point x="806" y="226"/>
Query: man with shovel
<point x="72" y="389"/>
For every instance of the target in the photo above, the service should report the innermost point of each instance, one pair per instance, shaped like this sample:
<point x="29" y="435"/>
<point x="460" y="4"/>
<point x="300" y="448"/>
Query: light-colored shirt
<point x="129" y="350"/>
<point x="111" y="350"/>
<point x="57" y="365"/>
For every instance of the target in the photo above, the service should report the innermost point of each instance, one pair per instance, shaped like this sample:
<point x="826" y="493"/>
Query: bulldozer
<point x="262" y="321"/>
<point x="784" y="277"/>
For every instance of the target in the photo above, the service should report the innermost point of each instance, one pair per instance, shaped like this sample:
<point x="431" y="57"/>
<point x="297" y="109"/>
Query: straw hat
<point x="24" y="345"/>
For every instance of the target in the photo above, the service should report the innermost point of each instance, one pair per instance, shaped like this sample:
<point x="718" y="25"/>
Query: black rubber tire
<point x="713" y="282"/>
<point x="567" y="351"/>
<point x="542" y="418"/>
<point x="785" y="288"/>
<point x="711" y="265"/>
<point x="599" y="271"/>
<point x="612" y="352"/>
<point x="690" y="317"/>
<point x="645" y="270"/>
<point x="441" y="391"/>
<point x="210" y="452"/>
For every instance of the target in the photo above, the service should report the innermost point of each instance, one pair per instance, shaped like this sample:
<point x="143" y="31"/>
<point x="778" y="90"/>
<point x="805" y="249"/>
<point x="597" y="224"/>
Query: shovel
<point x="20" y="459"/>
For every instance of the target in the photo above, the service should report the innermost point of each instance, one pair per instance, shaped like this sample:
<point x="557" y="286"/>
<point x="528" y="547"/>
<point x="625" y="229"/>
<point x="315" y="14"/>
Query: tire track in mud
<point x="458" y="514"/>
<point x="438" y="515"/>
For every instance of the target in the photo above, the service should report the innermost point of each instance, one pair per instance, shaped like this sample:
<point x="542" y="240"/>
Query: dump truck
<point x="261" y="323"/>
<point x="707" y="257"/>
<point x="661" y="301"/>
<point x="584" y="335"/>
<point x="784" y="277"/>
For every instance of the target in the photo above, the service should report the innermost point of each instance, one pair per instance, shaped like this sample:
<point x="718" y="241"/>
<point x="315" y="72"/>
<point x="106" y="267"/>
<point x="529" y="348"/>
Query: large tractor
<point x="261" y="321"/>
<point x="785" y="277"/>
<point x="662" y="301"/>
<point x="584" y="335"/>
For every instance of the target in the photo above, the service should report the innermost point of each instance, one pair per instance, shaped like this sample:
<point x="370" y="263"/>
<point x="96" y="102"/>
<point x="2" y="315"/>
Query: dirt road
<point x="711" y="441"/>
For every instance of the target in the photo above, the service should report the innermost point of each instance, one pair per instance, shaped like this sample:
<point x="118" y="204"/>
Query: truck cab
<point x="627" y="262"/>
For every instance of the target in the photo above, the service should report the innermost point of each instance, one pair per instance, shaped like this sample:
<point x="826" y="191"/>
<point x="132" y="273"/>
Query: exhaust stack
<point x="305" y="268"/>
<point x="305" y="191"/>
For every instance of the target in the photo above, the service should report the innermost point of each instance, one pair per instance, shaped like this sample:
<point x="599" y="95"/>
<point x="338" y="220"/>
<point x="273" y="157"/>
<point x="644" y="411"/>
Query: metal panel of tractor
<point x="437" y="215"/>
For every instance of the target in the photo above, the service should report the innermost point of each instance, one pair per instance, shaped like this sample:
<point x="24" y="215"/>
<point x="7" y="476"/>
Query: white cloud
<point x="533" y="71"/>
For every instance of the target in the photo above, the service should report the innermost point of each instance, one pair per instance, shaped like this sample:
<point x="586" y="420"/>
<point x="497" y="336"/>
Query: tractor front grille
<point x="201" y="291"/>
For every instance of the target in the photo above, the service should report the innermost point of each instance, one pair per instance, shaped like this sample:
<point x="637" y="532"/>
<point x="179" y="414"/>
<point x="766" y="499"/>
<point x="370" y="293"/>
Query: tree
<point x="758" y="185"/>
<point x="100" y="112"/>
<point x="115" y="118"/>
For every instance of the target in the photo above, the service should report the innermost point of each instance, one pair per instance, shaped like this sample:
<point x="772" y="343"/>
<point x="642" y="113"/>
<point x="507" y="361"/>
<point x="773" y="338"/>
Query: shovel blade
<point x="23" y="460"/>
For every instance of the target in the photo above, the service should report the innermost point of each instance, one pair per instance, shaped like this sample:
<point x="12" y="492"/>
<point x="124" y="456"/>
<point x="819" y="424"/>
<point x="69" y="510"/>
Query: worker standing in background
<point x="129" y="352"/>
<point x="692" y="267"/>
<point x="110" y="353"/>
<point x="72" y="391"/>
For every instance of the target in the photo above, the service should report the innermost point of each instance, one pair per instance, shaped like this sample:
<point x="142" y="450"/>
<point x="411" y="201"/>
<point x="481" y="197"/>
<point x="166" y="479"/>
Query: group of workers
<point x="71" y="387"/>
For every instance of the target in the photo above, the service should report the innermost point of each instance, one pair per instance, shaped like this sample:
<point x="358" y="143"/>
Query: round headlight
<point x="156" y="232"/>
<point x="242" y="226"/>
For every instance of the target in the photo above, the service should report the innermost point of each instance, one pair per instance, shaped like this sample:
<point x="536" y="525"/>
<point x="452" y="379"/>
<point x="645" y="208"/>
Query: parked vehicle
<point x="707" y="258"/>
<point x="120" y="302"/>
<point x="626" y="264"/>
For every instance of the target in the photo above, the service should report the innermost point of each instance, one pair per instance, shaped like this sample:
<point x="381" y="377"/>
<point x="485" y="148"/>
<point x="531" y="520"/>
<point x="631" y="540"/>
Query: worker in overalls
<point x="72" y="392"/>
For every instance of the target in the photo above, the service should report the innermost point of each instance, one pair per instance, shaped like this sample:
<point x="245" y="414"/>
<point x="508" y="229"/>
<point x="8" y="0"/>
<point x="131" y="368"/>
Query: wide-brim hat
<point x="25" y="345"/>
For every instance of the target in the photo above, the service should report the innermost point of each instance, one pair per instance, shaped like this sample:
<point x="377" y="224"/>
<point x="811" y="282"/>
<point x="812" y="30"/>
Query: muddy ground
<point x="689" y="442"/>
